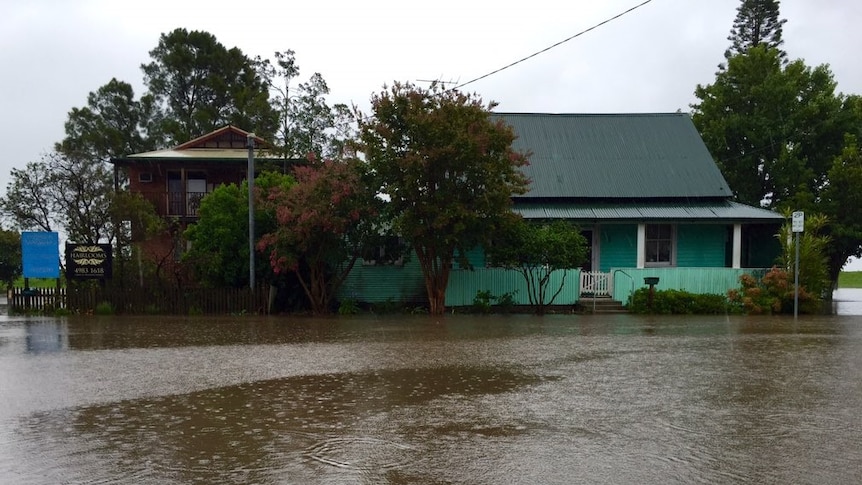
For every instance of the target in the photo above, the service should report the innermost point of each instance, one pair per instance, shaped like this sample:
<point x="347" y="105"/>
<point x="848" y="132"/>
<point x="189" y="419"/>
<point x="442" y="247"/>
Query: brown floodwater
<point x="417" y="399"/>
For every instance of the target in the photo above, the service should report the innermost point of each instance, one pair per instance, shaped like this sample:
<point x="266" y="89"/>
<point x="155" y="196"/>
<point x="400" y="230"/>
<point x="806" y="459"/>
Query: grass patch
<point x="37" y="283"/>
<point x="850" y="279"/>
<point x="104" y="308"/>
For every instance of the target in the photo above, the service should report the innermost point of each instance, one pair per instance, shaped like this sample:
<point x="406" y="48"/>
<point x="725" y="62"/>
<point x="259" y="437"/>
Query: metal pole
<point x="796" y="282"/>
<point x="251" y="210"/>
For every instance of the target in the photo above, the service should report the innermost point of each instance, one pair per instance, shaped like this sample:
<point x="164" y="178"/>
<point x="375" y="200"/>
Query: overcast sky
<point x="54" y="52"/>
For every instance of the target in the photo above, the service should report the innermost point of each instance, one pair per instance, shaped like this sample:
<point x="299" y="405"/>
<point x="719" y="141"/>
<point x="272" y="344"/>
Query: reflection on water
<point x="847" y="301"/>
<point x="264" y="431"/>
<point x="487" y="400"/>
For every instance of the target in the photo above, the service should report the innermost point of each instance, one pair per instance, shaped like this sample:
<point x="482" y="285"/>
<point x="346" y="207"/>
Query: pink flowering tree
<point x="323" y="223"/>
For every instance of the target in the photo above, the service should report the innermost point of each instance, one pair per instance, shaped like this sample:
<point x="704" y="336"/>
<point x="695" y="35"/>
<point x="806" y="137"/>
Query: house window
<point x="389" y="252"/>
<point x="659" y="245"/>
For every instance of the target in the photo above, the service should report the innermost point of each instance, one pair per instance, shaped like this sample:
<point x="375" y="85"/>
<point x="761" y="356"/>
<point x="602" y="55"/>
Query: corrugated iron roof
<point x="715" y="211"/>
<point x="615" y="155"/>
<point x="225" y="144"/>
<point x="199" y="153"/>
<point x="223" y="155"/>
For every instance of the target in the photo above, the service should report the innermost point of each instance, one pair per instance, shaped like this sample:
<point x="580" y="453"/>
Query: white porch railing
<point x="596" y="283"/>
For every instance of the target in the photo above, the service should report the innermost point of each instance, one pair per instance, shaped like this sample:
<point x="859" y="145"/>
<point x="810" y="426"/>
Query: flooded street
<point x="403" y="399"/>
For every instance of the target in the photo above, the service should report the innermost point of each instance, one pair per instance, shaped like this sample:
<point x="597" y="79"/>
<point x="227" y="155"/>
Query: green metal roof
<point x="615" y="156"/>
<point x="586" y="211"/>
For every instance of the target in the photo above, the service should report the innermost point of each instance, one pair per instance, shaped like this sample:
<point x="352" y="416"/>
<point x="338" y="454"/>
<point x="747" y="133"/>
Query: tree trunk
<point x="435" y="272"/>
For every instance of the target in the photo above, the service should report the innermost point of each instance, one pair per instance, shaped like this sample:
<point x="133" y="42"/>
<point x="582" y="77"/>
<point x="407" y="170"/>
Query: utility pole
<point x="251" y="211"/>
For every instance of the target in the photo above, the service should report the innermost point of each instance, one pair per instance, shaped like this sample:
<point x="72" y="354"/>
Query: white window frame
<point x="672" y="240"/>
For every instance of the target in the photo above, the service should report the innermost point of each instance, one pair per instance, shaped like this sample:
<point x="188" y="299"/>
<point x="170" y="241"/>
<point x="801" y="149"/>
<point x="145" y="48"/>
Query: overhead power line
<point x="546" y="49"/>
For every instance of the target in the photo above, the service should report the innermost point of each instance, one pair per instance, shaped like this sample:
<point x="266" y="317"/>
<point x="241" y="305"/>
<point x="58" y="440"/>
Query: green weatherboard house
<point x="647" y="195"/>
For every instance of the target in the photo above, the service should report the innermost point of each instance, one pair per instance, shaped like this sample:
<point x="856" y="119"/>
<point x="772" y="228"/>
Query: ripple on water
<point x="361" y="453"/>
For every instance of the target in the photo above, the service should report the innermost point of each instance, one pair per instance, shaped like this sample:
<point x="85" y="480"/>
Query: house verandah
<point x="617" y="268"/>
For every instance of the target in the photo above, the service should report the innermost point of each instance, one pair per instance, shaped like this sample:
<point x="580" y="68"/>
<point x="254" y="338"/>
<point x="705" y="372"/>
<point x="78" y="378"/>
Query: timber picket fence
<point x="136" y="301"/>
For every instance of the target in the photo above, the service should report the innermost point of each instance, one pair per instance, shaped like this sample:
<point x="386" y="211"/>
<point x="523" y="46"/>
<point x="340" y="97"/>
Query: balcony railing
<point x="179" y="204"/>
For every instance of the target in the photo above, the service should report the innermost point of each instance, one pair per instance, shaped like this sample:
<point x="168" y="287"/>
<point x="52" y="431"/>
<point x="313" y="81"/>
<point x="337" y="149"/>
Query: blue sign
<point x="40" y="253"/>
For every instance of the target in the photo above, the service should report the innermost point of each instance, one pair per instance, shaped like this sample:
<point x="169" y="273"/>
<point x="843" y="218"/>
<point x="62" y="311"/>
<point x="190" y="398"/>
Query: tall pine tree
<point x="757" y="23"/>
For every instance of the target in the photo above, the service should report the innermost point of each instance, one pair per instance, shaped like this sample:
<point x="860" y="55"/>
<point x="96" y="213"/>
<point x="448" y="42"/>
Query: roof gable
<point x="224" y="138"/>
<point x="602" y="156"/>
<point x="228" y="143"/>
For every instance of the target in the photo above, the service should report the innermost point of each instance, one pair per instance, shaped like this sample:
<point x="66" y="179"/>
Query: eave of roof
<point x="700" y="211"/>
<point x="197" y="154"/>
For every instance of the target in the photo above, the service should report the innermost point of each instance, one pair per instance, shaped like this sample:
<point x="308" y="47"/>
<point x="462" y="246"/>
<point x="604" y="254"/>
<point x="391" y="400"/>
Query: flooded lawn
<point x="462" y="399"/>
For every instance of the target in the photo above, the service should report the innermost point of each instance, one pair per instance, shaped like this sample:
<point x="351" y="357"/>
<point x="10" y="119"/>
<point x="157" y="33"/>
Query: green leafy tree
<point x="278" y="77"/>
<point x="72" y="188"/>
<point x="779" y="130"/>
<point x="112" y="124"/>
<point x="323" y="223"/>
<point x="774" y="129"/>
<point x="447" y="170"/>
<point x="219" y="239"/>
<point x="28" y="201"/>
<point x="757" y="23"/>
<point x="842" y="200"/>
<point x="83" y="191"/>
<point x="200" y="85"/>
<point x="537" y="251"/>
<point x="10" y="256"/>
<point x="308" y="125"/>
<point x="62" y="193"/>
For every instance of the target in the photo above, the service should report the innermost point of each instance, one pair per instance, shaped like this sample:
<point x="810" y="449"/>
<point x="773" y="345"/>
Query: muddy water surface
<point x="463" y="399"/>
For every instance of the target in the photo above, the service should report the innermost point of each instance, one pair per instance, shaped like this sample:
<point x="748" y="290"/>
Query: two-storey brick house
<point x="176" y="179"/>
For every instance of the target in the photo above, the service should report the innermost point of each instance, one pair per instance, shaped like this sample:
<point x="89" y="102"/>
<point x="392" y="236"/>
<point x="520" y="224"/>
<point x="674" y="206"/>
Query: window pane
<point x="651" y="253"/>
<point x="664" y="251"/>
<point x="659" y="243"/>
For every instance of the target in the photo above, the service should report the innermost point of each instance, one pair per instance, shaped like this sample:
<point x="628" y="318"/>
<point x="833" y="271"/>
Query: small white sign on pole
<point x="797" y="225"/>
<point x="797" y="222"/>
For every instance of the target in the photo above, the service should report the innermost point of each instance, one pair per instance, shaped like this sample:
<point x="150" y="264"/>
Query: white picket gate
<point x="595" y="283"/>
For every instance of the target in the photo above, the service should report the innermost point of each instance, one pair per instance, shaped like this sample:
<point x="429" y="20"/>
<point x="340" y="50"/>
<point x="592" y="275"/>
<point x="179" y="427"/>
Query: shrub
<point x="482" y="302"/>
<point x="104" y="308"/>
<point x="62" y="312"/>
<point x="348" y="306"/>
<point x="485" y="302"/>
<point x="419" y="310"/>
<point x="678" y="302"/>
<point x="773" y="293"/>
<point x="386" y="307"/>
<point x="506" y="301"/>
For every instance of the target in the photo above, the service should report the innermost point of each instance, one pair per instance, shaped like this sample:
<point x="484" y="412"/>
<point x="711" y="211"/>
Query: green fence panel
<point x="465" y="284"/>
<point x="693" y="280"/>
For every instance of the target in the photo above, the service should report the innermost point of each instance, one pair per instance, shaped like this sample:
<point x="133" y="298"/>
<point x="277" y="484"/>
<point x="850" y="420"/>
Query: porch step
<point x="602" y="304"/>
